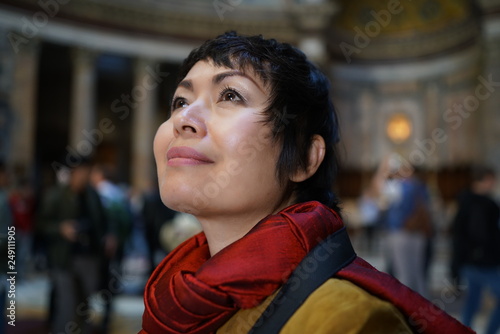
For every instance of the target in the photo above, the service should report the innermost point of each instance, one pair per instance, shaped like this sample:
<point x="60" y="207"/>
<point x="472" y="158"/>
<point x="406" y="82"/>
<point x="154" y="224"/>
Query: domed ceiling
<point x="187" y="19"/>
<point x="368" y="30"/>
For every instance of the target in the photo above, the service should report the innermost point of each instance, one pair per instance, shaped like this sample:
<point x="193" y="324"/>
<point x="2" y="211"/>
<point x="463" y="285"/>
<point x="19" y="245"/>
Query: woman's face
<point x="215" y="155"/>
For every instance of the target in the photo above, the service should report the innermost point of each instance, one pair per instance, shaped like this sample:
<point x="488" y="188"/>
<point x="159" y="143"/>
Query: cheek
<point x="254" y="155"/>
<point x="245" y="136"/>
<point x="163" y="136"/>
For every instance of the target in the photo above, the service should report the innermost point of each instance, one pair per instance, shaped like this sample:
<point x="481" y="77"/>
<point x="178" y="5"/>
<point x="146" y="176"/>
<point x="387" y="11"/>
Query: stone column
<point x="433" y="118"/>
<point x="144" y="95"/>
<point x="83" y="109"/>
<point x="490" y="115"/>
<point x="23" y="101"/>
<point x="310" y="19"/>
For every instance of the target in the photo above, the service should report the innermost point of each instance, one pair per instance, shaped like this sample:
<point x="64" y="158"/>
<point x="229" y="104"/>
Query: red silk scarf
<point x="191" y="292"/>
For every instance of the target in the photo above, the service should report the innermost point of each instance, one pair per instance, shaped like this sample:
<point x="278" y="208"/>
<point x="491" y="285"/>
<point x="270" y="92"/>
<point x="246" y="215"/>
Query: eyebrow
<point x="218" y="78"/>
<point x="188" y="84"/>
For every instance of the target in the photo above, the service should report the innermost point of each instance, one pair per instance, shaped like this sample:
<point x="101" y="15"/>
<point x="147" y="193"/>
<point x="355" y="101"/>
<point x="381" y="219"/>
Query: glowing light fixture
<point x="399" y="128"/>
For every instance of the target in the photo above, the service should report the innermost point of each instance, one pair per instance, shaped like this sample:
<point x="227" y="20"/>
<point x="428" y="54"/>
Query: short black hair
<point x="299" y="105"/>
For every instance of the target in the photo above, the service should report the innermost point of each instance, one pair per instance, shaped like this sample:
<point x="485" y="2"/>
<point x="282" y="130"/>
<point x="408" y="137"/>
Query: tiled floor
<point x="32" y="304"/>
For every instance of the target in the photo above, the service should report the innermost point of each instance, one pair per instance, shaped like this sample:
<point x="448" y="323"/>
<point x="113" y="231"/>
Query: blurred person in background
<point x="5" y="210"/>
<point x="182" y="227"/>
<point x="371" y="204"/>
<point x="155" y="216"/>
<point x="407" y="220"/>
<point x="23" y="206"/>
<point x="476" y="246"/>
<point x="369" y="212"/>
<point x="73" y="223"/>
<point x="119" y="223"/>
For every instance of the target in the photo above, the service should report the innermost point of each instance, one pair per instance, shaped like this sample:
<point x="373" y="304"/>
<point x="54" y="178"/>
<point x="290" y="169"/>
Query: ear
<point x="316" y="155"/>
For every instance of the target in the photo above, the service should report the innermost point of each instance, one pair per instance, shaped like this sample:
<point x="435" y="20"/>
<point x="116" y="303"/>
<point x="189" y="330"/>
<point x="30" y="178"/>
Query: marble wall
<point x="436" y="96"/>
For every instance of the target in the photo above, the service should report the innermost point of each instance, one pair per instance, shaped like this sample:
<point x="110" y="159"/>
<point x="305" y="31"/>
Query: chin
<point x="180" y="207"/>
<point x="185" y="200"/>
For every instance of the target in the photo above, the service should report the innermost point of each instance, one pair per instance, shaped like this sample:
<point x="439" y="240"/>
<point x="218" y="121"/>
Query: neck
<point x="221" y="233"/>
<point x="223" y="230"/>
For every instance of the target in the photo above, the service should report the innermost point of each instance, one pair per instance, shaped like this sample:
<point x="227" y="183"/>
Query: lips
<point x="184" y="155"/>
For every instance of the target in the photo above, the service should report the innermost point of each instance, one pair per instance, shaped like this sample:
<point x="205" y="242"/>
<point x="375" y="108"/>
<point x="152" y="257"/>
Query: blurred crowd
<point x="406" y="215"/>
<point x="78" y="232"/>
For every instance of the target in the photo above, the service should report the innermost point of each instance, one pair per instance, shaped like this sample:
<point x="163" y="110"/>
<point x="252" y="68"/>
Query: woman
<point x="249" y="151"/>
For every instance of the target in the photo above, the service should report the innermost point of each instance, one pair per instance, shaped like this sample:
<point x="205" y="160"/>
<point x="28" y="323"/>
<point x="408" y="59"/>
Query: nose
<point x="190" y="121"/>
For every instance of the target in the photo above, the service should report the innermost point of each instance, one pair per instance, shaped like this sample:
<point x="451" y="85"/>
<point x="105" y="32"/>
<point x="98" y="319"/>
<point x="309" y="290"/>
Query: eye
<point x="178" y="102"/>
<point x="231" y="95"/>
